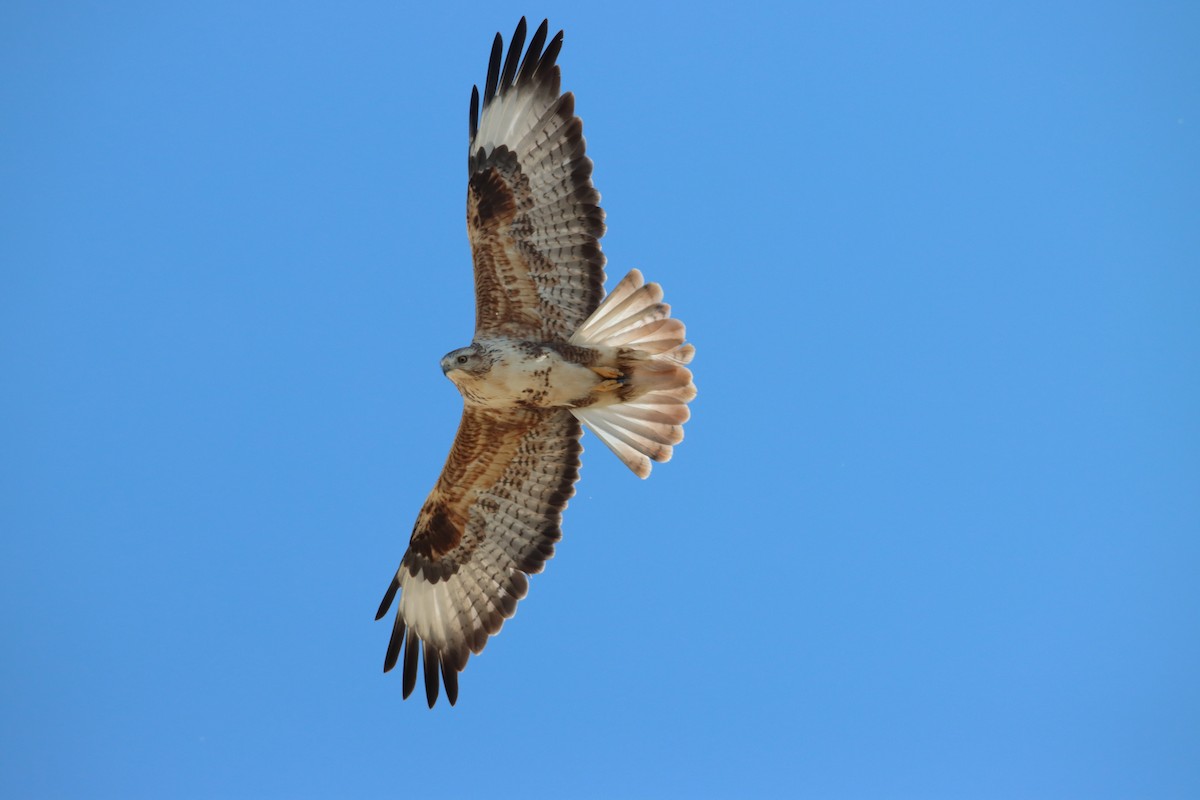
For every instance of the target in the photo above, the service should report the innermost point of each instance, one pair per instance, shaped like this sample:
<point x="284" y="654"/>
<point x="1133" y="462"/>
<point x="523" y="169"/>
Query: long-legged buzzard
<point x="550" y="352"/>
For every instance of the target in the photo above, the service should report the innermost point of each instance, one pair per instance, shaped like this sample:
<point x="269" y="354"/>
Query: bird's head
<point x="465" y="363"/>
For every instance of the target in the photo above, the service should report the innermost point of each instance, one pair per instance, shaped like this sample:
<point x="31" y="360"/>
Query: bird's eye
<point x="461" y="359"/>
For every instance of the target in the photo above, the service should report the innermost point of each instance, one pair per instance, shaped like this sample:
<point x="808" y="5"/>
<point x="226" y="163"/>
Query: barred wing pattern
<point x="492" y="518"/>
<point x="533" y="216"/>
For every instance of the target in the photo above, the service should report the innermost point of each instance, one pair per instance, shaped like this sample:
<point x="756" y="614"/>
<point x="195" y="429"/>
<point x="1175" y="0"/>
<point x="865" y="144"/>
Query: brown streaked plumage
<point x="547" y="355"/>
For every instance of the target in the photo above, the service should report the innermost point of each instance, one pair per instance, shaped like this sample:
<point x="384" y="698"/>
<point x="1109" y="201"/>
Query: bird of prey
<point x="550" y="351"/>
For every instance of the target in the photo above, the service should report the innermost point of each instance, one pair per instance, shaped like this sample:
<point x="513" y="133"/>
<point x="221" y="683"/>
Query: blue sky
<point x="933" y="531"/>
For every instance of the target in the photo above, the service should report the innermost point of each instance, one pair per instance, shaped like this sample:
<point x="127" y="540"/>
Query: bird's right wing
<point x="492" y="519"/>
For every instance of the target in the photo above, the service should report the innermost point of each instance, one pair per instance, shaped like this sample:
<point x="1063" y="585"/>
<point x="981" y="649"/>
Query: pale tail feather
<point x="647" y="424"/>
<point x="628" y="285"/>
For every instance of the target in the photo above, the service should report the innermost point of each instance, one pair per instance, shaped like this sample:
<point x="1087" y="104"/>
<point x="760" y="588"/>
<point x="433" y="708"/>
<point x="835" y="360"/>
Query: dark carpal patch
<point x="438" y="535"/>
<point x="435" y="534"/>
<point x="494" y="202"/>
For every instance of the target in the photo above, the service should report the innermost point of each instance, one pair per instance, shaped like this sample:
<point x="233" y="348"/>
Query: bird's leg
<point x="613" y="379"/>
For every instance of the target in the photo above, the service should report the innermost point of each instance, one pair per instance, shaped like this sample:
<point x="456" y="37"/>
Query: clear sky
<point x="934" y="531"/>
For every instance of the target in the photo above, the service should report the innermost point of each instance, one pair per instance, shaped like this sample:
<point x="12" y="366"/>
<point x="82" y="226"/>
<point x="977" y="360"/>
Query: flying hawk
<point x="546" y="356"/>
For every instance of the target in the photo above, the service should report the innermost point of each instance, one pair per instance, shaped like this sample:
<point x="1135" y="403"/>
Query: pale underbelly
<point x="541" y="380"/>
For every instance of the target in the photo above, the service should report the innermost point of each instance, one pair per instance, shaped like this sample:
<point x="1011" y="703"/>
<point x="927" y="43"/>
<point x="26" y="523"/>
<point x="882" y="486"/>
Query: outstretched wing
<point x="532" y="214"/>
<point x="492" y="518"/>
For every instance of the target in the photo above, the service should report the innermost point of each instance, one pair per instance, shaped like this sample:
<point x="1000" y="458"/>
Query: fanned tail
<point x="646" y="421"/>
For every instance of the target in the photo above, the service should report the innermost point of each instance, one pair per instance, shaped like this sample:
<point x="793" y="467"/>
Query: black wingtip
<point x="431" y="674"/>
<point x="394" y="644"/>
<point x="474" y="124"/>
<point x="450" y="679"/>
<point x="504" y="72"/>
<point x="514" y="55"/>
<point x="529" y="64"/>
<point x="550" y="56"/>
<point x="388" y="597"/>
<point x="493" y="73"/>
<point x="411" y="647"/>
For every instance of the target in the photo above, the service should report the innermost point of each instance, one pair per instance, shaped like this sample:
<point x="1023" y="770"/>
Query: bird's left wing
<point x="492" y="518"/>
<point x="533" y="216"/>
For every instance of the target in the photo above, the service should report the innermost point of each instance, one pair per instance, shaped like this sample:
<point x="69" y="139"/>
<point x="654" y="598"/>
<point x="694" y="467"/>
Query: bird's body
<point x="524" y="374"/>
<point x="550" y="352"/>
